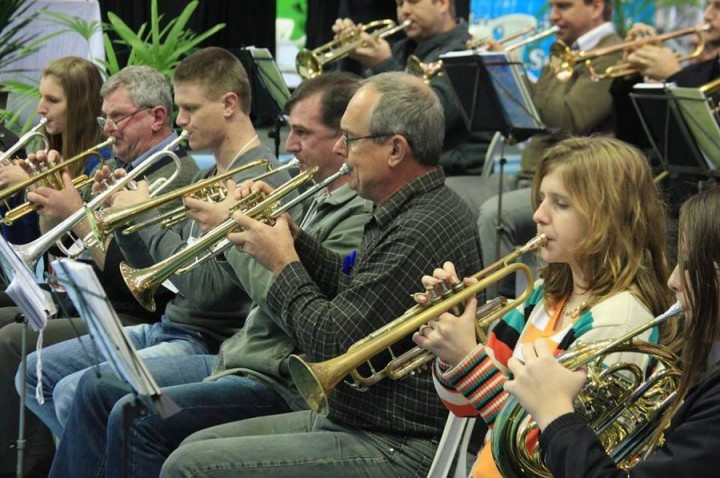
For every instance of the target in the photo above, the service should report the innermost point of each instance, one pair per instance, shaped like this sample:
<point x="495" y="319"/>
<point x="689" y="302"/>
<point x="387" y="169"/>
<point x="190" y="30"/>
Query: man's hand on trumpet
<point x="273" y="246"/>
<point x="56" y="204"/>
<point x="12" y="174"/>
<point x="33" y="164"/>
<point x="371" y="51"/>
<point x="655" y="62"/>
<point x="448" y="336"/>
<point x="208" y="214"/>
<point x="129" y="197"/>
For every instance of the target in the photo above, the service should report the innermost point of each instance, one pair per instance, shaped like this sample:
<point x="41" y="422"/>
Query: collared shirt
<point x="122" y="164"/>
<point x="590" y="39"/>
<point x="326" y="310"/>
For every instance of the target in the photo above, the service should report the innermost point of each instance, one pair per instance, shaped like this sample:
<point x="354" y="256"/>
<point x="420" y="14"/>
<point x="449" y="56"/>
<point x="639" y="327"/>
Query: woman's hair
<point x="610" y="184"/>
<point x="698" y="263"/>
<point x="81" y="81"/>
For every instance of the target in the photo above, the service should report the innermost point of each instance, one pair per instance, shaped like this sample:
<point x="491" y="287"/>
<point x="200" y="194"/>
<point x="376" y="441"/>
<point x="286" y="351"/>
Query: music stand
<point x="37" y="307"/>
<point x="698" y="111"/>
<point x="269" y="90"/>
<point x="84" y="289"/>
<point x="668" y="130"/>
<point x="492" y="95"/>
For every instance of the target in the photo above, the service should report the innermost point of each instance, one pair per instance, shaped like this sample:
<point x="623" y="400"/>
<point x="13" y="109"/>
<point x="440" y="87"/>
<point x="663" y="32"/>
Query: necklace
<point x="574" y="311"/>
<point x="245" y="147"/>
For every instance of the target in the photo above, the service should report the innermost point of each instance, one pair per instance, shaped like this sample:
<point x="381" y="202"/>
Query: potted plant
<point x="14" y="42"/>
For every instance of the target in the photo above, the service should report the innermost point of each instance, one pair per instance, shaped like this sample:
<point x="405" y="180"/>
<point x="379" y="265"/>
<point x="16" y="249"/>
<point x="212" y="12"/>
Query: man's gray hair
<point x="408" y="107"/>
<point x="146" y="87"/>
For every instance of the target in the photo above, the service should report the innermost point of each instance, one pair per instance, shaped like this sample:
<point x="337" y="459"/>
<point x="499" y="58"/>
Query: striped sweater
<point x="475" y="386"/>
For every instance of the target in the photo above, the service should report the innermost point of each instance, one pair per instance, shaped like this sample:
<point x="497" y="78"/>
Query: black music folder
<point x="672" y="120"/>
<point x="492" y="94"/>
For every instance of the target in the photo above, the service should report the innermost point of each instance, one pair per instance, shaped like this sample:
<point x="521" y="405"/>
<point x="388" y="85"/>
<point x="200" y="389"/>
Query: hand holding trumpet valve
<point x="13" y="173"/>
<point x="655" y="62"/>
<point x="450" y="336"/>
<point x="56" y="204"/>
<point x="37" y="163"/>
<point x="129" y="197"/>
<point x="271" y="245"/>
<point x="208" y="214"/>
<point x="370" y="52"/>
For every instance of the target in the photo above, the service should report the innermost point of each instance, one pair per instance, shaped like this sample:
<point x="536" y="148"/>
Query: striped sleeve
<point x="474" y="386"/>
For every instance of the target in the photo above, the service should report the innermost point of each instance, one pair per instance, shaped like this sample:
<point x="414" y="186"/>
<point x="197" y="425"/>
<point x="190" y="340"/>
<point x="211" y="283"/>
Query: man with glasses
<point x="392" y="139"/>
<point x="212" y="92"/>
<point x="249" y="377"/>
<point x="138" y="136"/>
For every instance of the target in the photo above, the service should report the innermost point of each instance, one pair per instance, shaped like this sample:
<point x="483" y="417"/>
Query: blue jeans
<point x="95" y="439"/>
<point x="66" y="362"/>
<point x="299" y="444"/>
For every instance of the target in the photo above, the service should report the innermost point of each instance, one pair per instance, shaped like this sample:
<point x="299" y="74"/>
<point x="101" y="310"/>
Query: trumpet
<point x="51" y="177"/>
<point x="24" y="140"/>
<point x="314" y="381"/>
<point x="144" y="282"/>
<point x="310" y="63"/>
<point x="32" y="251"/>
<point x="213" y="193"/>
<point x="104" y="223"/>
<point x="483" y="43"/>
<point x="567" y="58"/>
<point x="428" y="71"/>
<point x="623" y="406"/>
<point x="225" y="244"/>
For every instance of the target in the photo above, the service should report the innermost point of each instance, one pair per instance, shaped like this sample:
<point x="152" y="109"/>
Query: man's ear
<point x="400" y="149"/>
<point x="160" y="116"/>
<point x="231" y="103"/>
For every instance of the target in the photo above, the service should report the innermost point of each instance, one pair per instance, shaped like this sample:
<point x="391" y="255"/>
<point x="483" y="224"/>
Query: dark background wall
<point x="249" y="22"/>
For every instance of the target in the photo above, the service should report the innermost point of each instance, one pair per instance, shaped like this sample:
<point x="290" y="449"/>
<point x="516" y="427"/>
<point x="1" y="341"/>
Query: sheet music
<point x="36" y="303"/>
<point x="700" y="120"/>
<point x="86" y="292"/>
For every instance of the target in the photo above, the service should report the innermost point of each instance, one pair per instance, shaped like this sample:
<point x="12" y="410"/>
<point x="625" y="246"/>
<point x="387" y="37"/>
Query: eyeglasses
<point x="115" y="124"/>
<point x="347" y="139"/>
